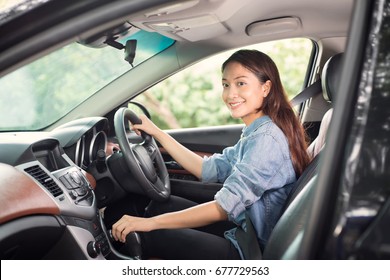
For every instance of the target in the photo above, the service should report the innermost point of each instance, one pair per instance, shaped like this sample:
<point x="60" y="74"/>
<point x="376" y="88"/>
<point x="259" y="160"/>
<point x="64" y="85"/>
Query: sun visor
<point x="192" y="20"/>
<point x="191" y="29"/>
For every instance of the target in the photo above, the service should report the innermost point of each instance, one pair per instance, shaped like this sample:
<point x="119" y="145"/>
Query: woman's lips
<point x="235" y="105"/>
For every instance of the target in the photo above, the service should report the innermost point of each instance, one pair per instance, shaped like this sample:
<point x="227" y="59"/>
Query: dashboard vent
<point x="42" y="177"/>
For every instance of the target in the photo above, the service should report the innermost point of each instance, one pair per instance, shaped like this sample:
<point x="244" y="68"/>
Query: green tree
<point x="192" y="98"/>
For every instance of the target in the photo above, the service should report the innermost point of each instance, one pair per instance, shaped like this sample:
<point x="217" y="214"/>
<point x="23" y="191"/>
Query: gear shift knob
<point x="133" y="245"/>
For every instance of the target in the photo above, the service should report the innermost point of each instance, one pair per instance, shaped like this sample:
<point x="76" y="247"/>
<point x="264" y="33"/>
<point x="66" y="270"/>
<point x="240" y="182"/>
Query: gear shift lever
<point x="133" y="245"/>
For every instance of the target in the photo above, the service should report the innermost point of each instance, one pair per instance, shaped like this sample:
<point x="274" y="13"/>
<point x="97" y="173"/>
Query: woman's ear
<point x="267" y="87"/>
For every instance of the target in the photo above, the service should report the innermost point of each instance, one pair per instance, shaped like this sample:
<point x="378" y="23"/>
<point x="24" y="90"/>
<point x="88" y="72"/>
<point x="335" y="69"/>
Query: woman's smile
<point x="235" y="105"/>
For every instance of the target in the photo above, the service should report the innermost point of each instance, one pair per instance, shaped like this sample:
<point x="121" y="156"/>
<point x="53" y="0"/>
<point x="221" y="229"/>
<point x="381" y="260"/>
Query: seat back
<point x="319" y="142"/>
<point x="288" y="232"/>
<point x="330" y="77"/>
<point x="329" y="81"/>
<point x="332" y="65"/>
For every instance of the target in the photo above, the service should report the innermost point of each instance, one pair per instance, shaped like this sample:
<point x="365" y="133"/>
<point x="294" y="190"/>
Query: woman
<point x="256" y="173"/>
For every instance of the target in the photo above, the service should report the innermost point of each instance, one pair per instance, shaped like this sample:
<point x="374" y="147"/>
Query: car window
<point x="192" y="97"/>
<point x="50" y="87"/>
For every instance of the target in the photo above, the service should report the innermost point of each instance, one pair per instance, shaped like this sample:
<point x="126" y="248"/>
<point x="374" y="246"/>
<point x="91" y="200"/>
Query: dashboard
<point x="47" y="194"/>
<point x="82" y="139"/>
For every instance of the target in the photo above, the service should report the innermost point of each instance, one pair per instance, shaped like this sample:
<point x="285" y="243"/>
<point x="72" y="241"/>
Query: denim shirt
<point x="256" y="173"/>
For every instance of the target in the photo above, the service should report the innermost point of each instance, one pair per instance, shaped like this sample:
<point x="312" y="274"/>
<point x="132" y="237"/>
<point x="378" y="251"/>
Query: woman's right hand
<point x="147" y="126"/>
<point x="185" y="157"/>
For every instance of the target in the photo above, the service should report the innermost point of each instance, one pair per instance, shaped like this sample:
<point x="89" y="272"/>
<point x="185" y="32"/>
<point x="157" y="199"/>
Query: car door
<point x="349" y="217"/>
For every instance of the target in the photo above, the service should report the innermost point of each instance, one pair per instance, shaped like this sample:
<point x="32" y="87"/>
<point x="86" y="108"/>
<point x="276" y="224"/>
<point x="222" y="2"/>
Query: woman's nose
<point x="231" y="93"/>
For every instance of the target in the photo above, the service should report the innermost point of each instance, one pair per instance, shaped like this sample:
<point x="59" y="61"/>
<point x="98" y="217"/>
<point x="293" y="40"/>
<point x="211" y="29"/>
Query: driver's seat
<point x="288" y="232"/>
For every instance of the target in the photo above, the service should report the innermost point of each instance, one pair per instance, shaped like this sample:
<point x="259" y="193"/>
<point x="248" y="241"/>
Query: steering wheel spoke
<point x="152" y="150"/>
<point x="160" y="185"/>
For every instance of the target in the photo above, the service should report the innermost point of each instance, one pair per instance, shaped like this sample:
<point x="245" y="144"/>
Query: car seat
<point x="330" y="79"/>
<point x="287" y="235"/>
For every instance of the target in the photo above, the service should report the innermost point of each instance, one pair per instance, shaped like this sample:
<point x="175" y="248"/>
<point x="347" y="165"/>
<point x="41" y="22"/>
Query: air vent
<point x="42" y="177"/>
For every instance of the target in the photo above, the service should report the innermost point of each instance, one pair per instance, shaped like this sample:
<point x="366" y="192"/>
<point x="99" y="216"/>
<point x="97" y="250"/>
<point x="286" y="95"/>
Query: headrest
<point x="331" y="76"/>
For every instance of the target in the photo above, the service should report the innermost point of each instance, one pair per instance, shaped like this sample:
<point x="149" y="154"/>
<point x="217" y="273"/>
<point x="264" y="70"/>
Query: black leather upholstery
<point x="285" y="239"/>
<point x="287" y="233"/>
<point x="330" y="76"/>
<point x="303" y="180"/>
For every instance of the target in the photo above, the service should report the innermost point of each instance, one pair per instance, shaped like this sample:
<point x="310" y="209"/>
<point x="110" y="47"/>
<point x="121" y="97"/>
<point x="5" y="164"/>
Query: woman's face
<point x="243" y="93"/>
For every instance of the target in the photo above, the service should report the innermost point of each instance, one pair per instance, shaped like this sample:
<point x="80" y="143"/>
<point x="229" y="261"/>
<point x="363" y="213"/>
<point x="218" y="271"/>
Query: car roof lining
<point x="333" y="20"/>
<point x="226" y="16"/>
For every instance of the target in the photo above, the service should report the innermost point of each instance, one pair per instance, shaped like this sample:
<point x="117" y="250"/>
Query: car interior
<point x="60" y="177"/>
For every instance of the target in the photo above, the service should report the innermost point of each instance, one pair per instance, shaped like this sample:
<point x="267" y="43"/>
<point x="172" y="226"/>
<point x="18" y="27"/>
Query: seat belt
<point x="307" y="93"/>
<point x="247" y="240"/>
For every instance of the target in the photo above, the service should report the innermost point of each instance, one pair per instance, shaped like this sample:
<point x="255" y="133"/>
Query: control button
<point x="95" y="226"/>
<point x="73" y="194"/>
<point x="150" y="149"/>
<point x="75" y="178"/>
<point x="71" y="183"/>
<point x="81" y="191"/>
<point x="93" y="249"/>
<point x="66" y="183"/>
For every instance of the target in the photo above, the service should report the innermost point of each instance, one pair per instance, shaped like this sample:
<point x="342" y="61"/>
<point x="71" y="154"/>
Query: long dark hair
<point x="276" y="104"/>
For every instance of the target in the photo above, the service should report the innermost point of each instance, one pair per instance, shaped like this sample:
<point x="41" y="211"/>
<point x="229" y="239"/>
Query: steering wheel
<point x="144" y="160"/>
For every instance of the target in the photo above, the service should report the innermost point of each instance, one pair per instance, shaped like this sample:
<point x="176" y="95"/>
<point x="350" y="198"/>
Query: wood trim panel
<point x="178" y="171"/>
<point x="183" y="171"/>
<point x="21" y="196"/>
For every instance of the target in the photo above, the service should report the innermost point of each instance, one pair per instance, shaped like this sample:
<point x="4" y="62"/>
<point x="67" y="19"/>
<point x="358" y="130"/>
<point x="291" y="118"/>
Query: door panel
<point x="205" y="142"/>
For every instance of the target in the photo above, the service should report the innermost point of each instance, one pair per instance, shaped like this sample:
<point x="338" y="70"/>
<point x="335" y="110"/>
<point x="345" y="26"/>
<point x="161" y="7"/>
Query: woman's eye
<point x="224" y="85"/>
<point x="240" y="84"/>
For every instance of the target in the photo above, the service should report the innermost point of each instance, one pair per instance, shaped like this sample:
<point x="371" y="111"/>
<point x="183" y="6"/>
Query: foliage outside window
<point x="192" y="98"/>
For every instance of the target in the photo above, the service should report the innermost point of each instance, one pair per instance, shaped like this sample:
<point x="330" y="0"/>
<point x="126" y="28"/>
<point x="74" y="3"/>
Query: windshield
<point x="44" y="91"/>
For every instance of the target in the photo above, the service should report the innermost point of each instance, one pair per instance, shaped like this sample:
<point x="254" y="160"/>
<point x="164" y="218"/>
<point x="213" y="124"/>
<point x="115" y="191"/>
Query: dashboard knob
<point x="73" y="194"/>
<point x="93" y="249"/>
<point x="101" y="161"/>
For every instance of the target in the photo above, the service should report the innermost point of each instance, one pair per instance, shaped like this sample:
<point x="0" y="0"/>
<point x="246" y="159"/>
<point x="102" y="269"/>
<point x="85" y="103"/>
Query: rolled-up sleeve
<point x="218" y="167"/>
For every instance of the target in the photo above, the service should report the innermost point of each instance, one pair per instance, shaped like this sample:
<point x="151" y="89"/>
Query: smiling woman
<point x="67" y="173"/>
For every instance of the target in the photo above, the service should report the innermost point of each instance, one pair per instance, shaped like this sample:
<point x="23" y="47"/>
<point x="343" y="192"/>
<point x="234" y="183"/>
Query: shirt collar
<point x="247" y="130"/>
